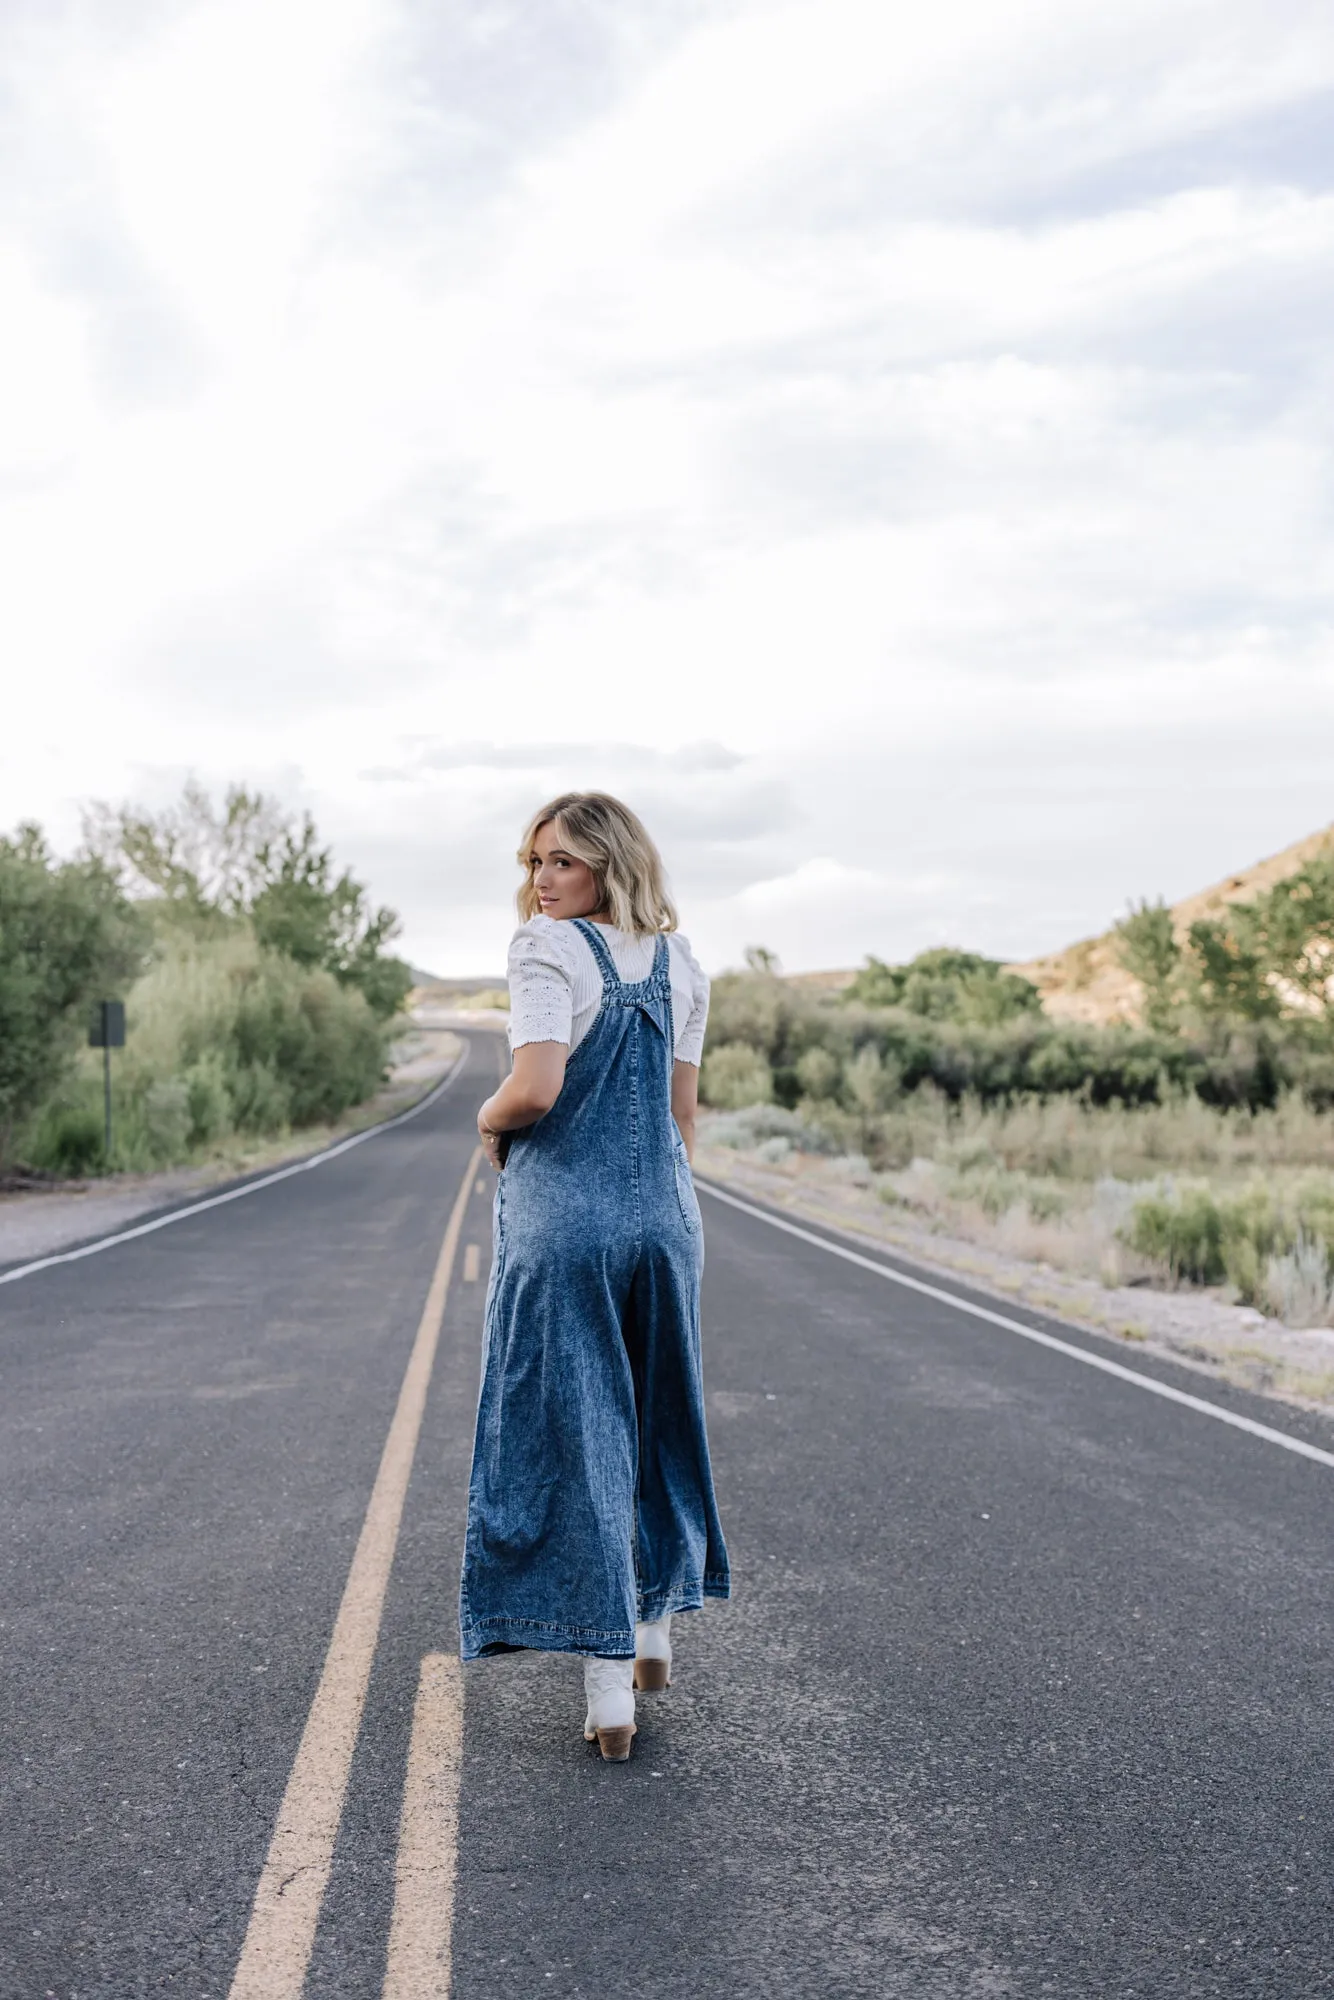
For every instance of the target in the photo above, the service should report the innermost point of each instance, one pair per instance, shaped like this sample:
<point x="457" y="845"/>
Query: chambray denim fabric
<point x="591" y="1500"/>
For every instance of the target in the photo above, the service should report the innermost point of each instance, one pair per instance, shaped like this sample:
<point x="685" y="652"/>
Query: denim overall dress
<point x="591" y="1499"/>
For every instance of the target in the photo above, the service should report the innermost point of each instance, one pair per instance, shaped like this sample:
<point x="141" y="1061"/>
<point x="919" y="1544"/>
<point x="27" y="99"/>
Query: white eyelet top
<point x="556" y="986"/>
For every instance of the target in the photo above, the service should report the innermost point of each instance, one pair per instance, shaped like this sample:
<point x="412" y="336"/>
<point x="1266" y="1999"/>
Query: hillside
<point x="1084" y="982"/>
<point x="1087" y="982"/>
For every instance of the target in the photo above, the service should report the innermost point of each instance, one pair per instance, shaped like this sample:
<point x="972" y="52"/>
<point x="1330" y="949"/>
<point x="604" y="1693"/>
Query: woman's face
<point x="565" y="886"/>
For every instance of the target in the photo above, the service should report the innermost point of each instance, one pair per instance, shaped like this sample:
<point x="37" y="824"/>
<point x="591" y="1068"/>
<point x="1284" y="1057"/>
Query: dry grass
<point x="1057" y="1182"/>
<point x="1071" y="1141"/>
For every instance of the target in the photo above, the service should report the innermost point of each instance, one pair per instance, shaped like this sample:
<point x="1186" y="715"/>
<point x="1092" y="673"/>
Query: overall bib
<point x="591" y="1499"/>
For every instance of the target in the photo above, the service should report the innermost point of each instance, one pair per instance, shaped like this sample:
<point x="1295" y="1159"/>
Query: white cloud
<point x="882" y="394"/>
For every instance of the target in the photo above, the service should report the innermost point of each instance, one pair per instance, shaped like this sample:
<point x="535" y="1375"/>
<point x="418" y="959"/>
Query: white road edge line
<point x="236" y="1193"/>
<point x="1033" y="1333"/>
<point x="421" y="1932"/>
<point x="281" y="1933"/>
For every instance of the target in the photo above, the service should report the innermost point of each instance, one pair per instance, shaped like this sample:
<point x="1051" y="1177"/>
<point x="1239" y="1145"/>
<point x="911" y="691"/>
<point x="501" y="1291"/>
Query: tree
<point x="1146" y="944"/>
<point x="68" y="936"/>
<point x="209" y="868"/>
<point x="760" y="959"/>
<point x="1229" y="977"/>
<point x="318" y="919"/>
<point x="1273" y="957"/>
<point x="947" y="985"/>
<point x="199" y="865"/>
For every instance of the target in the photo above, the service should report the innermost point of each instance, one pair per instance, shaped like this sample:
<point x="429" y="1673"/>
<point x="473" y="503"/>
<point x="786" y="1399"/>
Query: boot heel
<point x="615" y="1743"/>
<point x="652" y="1676"/>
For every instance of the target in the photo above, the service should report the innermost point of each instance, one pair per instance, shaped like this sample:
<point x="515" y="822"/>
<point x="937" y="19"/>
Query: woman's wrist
<point x="491" y="1139"/>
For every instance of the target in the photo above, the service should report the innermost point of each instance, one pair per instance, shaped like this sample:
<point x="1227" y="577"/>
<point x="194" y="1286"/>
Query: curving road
<point x="1025" y="1689"/>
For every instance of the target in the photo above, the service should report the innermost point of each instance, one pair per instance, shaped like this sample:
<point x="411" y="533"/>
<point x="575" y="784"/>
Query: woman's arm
<point x="527" y="1094"/>
<point x="685" y="1099"/>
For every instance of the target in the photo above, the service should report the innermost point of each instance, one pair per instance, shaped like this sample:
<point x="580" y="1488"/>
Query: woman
<point x="591" y="1515"/>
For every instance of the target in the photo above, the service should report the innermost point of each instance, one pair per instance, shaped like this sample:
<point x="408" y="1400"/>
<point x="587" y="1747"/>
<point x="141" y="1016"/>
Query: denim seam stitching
<point x="544" y="1625"/>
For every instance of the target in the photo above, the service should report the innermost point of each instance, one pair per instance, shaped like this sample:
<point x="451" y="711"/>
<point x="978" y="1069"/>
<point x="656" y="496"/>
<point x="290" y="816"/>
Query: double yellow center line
<point x="281" y="1933"/>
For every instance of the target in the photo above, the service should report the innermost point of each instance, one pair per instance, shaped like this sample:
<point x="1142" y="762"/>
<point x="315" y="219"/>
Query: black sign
<point x="107" y="1030"/>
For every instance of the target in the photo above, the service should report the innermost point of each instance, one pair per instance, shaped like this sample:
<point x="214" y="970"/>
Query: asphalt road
<point x="1025" y="1688"/>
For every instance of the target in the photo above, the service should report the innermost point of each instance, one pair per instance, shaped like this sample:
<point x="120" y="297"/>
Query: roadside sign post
<point x="107" y="1032"/>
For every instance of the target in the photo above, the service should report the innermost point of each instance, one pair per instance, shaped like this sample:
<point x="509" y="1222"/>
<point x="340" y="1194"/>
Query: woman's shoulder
<point x="545" y="941"/>
<point x="680" y="944"/>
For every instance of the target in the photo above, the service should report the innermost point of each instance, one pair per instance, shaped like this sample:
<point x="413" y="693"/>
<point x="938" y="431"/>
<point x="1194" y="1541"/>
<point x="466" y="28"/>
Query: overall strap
<point x="660" y="970"/>
<point x="597" y="944"/>
<point x="656" y="991"/>
<point x="661" y="977"/>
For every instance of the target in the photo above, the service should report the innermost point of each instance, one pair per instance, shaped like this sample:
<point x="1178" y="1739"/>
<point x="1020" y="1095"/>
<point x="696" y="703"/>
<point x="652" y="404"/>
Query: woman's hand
<point x="527" y="1094"/>
<point x="491" y="1140"/>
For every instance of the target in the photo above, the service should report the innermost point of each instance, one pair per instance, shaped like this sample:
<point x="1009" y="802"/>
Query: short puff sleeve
<point x="690" y="1043"/>
<point x="540" y="977"/>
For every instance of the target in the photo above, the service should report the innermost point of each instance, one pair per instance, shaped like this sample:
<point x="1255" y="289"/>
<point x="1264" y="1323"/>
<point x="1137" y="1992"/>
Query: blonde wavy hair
<point x="614" y="842"/>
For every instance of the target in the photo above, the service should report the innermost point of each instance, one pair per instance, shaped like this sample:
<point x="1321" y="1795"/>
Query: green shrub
<point x="67" y="937"/>
<point x="1275" y="1254"/>
<point x="819" y="1073"/>
<point x="1231" y="1064"/>
<point x="317" y="1037"/>
<point x="66" y="1139"/>
<point x="997" y="1192"/>
<point x="164" y="1119"/>
<point x="222" y="1036"/>
<point x="210" y="1103"/>
<point x="1183" y="1232"/>
<point x="947" y="985"/>
<point x="1203" y="1239"/>
<point x="872" y="1081"/>
<point x="757" y="1009"/>
<point x="261" y="1101"/>
<point x="734" y="1076"/>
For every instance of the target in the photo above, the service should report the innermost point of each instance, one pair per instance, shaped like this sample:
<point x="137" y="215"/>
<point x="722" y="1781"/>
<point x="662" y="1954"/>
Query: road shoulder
<point x="1197" y="1330"/>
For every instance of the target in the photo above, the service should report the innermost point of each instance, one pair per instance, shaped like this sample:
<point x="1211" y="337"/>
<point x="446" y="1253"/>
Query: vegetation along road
<point x="1024" y="1690"/>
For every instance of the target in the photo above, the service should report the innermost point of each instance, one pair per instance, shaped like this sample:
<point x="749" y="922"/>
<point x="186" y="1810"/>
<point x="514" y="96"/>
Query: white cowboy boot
<point x="653" y="1655"/>
<point x="609" y="1685"/>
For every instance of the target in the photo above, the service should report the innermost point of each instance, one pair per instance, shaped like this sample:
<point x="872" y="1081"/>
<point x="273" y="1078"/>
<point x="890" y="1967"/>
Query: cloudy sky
<point x="890" y="444"/>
